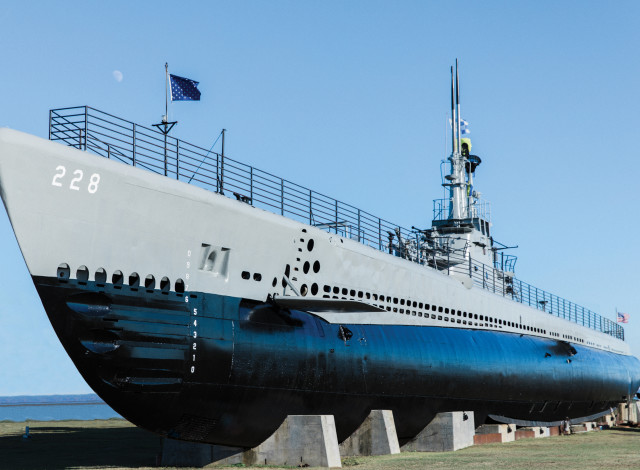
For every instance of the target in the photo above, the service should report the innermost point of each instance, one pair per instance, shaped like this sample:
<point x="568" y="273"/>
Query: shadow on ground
<point x="64" y="447"/>
<point x="627" y="429"/>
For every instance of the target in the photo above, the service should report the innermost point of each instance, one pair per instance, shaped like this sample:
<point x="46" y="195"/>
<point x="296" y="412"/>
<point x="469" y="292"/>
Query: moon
<point x="117" y="74"/>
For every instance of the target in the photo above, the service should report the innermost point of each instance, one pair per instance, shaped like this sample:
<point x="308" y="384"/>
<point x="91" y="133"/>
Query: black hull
<point x="254" y="364"/>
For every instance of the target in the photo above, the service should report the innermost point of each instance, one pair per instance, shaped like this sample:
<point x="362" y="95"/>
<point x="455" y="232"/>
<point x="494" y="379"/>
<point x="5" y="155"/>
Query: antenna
<point x="453" y="118"/>
<point x="458" y="105"/>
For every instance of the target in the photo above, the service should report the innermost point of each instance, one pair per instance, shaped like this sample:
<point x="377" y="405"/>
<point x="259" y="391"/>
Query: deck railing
<point x="109" y="136"/>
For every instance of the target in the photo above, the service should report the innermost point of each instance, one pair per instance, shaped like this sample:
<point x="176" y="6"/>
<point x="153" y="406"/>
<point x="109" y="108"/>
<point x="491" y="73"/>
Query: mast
<point x="458" y="106"/>
<point x="456" y="178"/>
<point x="453" y="116"/>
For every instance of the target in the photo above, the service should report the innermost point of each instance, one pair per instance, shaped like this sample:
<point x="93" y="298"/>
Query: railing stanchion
<point x="134" y="146"/>
<point x="251" y="185"/>
<point x="281" y="196"/>
<point x="177" y="159"/>
<point x="86" y="119"/>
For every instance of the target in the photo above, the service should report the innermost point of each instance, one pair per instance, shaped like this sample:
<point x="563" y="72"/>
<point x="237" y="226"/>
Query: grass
<point x="118" y="444"/>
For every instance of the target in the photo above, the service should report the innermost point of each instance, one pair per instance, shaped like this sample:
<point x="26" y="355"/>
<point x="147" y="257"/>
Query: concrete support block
<point x="633" y="413"/>
<point x="577" y="428"/>
<point x="375" y="436"/>
<point x="628" y="413"/>
<point x="607" y="420"/>
<point x="544" y="431"/>
<point x="538" y="431"/>
<point x="300" y="441"/>
<point x="448" y="431"/>
<point x="308" y="441"/>
<point x="506" y="431"/>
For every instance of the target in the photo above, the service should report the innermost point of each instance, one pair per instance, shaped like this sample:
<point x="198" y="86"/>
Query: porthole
<point x="101" y="276"/>
<point x="314" y="288"/>
<point x="360" y="294"/>
<point x="316" y="266"/>
<point x="344" y="291"/>
<point x="306" y="267"/>
<point x="82" y="274"/>
<point x="310" y="244"/>
<point x="274" y="282"/>
<point x="246" y="275"/>
<point x="180" y="286"/>
<point x="165" y="284"/>
<point x="304" y="290"/>
<point x="352" y="293"/>
<point x="257" y="277"/>
<point x="64" y="271"/>
<point x="134" y="280"/>
<point x="327" y="288"/>
<point x="336" y="290"/>
<point x="117" y="278"/>
<point x="150" y="282"/>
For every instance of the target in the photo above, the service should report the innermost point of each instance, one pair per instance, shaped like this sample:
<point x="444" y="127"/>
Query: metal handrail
<point x="109" y="136"/>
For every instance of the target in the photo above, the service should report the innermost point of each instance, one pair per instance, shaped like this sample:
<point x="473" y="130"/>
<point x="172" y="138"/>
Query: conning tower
<point x="461" y="225"/>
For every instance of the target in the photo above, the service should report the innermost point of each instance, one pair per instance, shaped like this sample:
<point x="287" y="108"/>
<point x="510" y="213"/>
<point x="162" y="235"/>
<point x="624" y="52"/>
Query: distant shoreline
<point x="54" y="408"/>
<point x="38" y="400"/>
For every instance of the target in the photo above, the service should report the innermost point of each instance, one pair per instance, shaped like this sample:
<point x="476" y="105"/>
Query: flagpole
<point x="166" y="92"/>
<point x="165" y="126"/>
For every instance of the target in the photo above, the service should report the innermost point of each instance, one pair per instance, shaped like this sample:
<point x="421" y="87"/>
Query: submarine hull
<point x="257" y="362"/>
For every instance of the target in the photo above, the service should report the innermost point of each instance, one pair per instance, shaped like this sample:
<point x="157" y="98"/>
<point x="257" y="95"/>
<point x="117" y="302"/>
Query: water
<point x="55" y="408"/>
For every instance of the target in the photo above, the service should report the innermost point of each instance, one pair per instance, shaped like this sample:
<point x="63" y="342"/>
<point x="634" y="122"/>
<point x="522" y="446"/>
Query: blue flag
<point x="184" y="89"/>
<point x="464" y="127"/>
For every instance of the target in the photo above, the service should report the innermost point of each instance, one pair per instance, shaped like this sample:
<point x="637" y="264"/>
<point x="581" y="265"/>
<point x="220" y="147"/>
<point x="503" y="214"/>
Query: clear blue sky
<point x="351" y="98"/>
